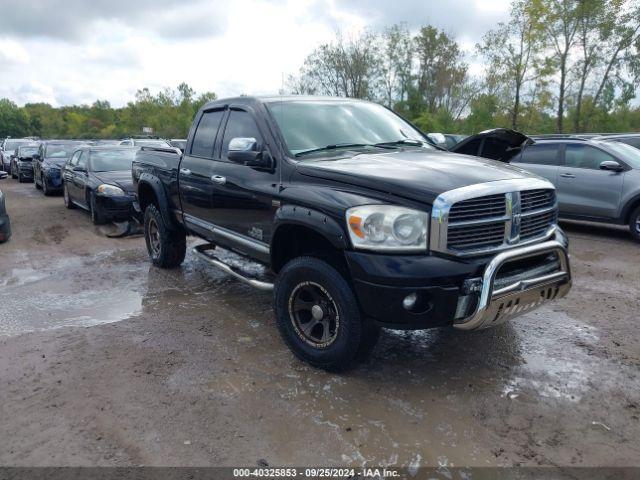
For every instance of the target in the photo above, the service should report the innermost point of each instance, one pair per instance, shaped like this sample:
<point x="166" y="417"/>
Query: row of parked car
<point x="93" y="175"/>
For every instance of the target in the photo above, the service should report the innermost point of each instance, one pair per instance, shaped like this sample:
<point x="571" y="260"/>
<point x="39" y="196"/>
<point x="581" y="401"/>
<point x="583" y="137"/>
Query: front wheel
<point x="167" y="247"/>
<point x="67" y="199"/>
<point x="318" y="316"/>
<point x="634" y="224"/>
<point x="96" y="216"/>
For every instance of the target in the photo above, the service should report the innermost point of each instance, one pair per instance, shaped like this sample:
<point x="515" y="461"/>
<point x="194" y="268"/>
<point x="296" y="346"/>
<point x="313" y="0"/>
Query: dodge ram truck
<point x="353" y="220"/>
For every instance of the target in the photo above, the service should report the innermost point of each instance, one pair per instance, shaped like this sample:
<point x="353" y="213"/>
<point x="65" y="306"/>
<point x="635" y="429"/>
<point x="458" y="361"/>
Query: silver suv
<point x="595" y="180"/>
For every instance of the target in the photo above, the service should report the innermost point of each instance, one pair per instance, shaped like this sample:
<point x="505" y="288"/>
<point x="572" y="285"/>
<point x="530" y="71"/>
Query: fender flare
<point x="315" y="220"/>
<point x="161" y="196"/>
<point x="628" y="208"/>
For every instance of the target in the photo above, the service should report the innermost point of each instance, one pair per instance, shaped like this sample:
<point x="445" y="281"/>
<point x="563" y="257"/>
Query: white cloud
<point x="74" y="51"/>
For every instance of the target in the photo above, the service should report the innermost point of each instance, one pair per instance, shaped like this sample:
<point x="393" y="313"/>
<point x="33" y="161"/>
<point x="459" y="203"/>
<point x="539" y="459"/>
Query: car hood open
<point x="421" y="175"/>
<point x="120" y="178"/>
<point x="502" y="144"/>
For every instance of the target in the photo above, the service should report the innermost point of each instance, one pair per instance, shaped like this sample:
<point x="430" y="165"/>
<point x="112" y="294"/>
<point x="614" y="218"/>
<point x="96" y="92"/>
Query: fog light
<point x="410" y="301"/>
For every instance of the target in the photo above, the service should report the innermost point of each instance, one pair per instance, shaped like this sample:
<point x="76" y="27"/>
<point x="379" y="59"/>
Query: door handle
<point x="219" y="179"/>
<point x="567" y="175"/>
<point x="185" y="171"/>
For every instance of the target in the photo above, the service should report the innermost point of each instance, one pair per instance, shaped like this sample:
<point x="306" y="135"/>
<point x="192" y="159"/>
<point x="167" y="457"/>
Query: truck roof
<point x="251" y="100"/>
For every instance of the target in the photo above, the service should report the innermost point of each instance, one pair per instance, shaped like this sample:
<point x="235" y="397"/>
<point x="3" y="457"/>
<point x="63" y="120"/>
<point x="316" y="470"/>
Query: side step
<point x="204" y="252"/>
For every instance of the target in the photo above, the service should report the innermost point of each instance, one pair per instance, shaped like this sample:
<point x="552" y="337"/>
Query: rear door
<point x="196" y="169"/>
<point x="543" y="159"/>
<point x="584" y="189"/>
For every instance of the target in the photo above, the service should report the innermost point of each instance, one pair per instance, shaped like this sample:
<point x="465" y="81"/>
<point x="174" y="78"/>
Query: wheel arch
<point x="151" y="191"/>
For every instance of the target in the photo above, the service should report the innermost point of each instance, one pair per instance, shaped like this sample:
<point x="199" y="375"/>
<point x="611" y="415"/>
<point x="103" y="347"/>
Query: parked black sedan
<point x="22" y="162"/>
<point x="5" y="224"/>
<point x="98" y="179"/>
<point x="48" y="164"/>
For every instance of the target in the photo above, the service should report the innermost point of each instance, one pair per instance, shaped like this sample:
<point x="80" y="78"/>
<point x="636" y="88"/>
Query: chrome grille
<point x="536" y="199"/>
<point x="510" y="213"/>
<point x="478" y="208"/>
<point x="536" y="225"/>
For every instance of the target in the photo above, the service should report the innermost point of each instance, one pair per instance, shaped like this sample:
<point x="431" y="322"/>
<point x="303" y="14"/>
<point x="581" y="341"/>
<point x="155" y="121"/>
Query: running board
<point x="201" y="252"/>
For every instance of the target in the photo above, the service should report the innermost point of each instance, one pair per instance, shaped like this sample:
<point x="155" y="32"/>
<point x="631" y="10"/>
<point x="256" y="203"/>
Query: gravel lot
<point x="105" y="360"/>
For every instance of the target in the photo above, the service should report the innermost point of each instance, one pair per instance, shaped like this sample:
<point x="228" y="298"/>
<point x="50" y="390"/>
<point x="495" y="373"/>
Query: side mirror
<point x="244" y="150"/>
<point x="611" y="165"/>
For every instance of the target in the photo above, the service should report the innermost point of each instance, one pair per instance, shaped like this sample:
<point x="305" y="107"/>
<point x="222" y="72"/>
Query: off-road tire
<point x="170" y="247"/>
<point x="67" y="199"/>
<point x="355" y="336"/>
<point x="634" y="224"/>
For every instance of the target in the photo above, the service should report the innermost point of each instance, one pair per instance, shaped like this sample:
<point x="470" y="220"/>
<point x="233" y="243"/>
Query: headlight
<point x="110" y="190"/>
<point x="388" y="228"/>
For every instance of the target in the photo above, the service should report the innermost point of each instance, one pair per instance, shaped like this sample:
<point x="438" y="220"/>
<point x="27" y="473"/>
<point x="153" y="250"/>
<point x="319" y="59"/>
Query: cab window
<point x="240" y="125"/>
<point x="205" y="136"/>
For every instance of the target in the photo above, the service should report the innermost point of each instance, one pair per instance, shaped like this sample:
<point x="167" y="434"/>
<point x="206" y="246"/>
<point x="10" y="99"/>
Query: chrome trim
<point x="442" y="205"/>
<point x="497" y="306"/>
<point x="228" y="235"/>
<point x="200" y="250"/>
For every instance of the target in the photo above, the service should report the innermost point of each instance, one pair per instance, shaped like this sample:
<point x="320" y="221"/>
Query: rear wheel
<point x="634" y="224"/>
<point x="167" y="247"/>
<point x="318" y="316"/>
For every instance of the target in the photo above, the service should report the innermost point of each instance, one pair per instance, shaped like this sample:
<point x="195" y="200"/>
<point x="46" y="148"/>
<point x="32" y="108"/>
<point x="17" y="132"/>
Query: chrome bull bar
<point x="496" y="306"/>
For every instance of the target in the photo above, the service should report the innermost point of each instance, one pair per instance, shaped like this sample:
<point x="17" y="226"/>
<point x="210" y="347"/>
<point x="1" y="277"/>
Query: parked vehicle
<point x="145" y="142"/>
<point x="500" y="144"/>
<point x="8" y="148"/>
<point x="180" y="144"/>
<point x="446" y="140"/>
<point x="595" y="180"/>
<point x="632" y="139"/>
<point x="5" y="223"/>
<point x="354" y="220"/>
<point x="22" y="162"/>
<point x="98" y="179"/>
<point x="48" y="163"/>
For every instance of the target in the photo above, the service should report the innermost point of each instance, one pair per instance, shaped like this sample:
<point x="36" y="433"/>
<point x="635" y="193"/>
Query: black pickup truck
<point x="355" y="221"/>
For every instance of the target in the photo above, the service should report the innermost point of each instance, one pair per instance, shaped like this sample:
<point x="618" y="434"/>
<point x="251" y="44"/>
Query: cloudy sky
<point x="76" y="51"/>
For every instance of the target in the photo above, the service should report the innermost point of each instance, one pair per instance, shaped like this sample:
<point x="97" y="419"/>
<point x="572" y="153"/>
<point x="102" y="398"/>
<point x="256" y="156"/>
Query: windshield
<point x="112" y="160"/>
<point x="60" y="151"/>
<point x="629" y="154"/>
<point x="28" y="151"/>
<point x="310" y="125"/>
<point x="151" y="143"/>
<point x="11" y="145"/>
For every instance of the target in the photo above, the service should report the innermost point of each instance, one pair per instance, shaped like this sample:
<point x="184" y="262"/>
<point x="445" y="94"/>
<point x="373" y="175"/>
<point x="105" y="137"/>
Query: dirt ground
<point x="105" y="360"/>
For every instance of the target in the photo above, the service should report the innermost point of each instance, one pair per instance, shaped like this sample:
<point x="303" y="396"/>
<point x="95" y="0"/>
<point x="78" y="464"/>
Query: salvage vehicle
<point x="98" y="179"/>
<point x="8" y="148"/>
<point x="22" y="162"/>
<point x="502" y="144"/>
<point x="5" y="223"/>
<point x="145" y="142"/>
<point x="595" y="180"/>
<point x="48" y="163"/>
<point x="354" y="220"/>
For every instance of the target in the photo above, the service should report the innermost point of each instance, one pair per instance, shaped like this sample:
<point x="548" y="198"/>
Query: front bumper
<point x="53" y="178"/>
<point x="5" y="228"/>
<point x="466" y="293"/>
<point x="117" y="208"/>
<point x="26" y="171"/>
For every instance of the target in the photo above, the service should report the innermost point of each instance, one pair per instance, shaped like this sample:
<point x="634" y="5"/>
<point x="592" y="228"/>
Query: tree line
<point x="553" y="66"/>
<point x="169" y="113"/>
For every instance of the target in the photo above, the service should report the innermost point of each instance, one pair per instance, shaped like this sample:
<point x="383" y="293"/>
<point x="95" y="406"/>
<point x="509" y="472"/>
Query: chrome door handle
<point x="219" y="179"/>
<point x="567" y="175"/>
<point x="185" y="171"/>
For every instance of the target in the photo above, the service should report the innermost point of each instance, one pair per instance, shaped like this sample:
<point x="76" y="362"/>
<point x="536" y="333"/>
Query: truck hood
<point x="119" y="178"/>
<point x="416" y="174"/>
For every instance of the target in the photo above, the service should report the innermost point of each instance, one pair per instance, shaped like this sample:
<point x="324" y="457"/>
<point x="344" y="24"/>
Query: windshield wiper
<point x="342" y="145"/>
<point x="404" y="141"/>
